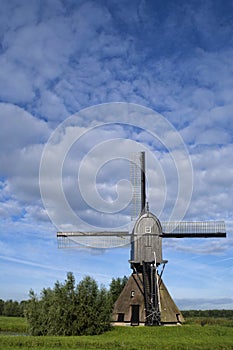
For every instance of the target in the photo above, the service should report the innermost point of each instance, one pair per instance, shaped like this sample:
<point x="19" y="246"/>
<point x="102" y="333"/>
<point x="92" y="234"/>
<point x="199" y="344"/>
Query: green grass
<point x="210" y="321"/>
<point x="13" y="324"/>
<point x="190" y="336"/>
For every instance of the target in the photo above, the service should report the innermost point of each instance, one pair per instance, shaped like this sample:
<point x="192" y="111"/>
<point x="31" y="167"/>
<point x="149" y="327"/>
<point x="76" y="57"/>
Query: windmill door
<point x="135" y="315"/>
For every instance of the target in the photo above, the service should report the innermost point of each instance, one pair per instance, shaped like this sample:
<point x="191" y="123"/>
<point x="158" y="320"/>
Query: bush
<point x="12" y="308"/>
<point x="67" y="309"/>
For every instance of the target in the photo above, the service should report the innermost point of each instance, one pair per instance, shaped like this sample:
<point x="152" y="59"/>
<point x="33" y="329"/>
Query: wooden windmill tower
<point x="144" y="300"/>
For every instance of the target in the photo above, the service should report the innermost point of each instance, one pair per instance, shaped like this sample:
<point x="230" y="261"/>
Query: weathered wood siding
<point x="146" y="243"/>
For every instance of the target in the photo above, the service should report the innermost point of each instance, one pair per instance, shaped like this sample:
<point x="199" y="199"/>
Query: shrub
<point x="70" y="310"/>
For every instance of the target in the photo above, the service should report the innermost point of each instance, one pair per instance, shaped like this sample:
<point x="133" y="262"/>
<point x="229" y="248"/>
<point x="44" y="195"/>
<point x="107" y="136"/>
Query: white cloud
<point x="21" y="140"/>
<point x="213" y="182"/>
<point x="16" y="85"/>
<point x="57" y="58"/>
<point x="51" y="106"/>
<point x="19" y="129"/>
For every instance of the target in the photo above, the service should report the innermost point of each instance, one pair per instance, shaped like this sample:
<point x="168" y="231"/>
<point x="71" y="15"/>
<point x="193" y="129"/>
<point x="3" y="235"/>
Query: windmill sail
<point x="170" y="229"/>
<point x="186" y="229"/>
<point x="101" y="239"/>
<point x="138" y="182"/>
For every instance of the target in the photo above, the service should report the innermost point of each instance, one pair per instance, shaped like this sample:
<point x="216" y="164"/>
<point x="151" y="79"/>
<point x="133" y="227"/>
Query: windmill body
<point x="146" y="243"/>
<point x="146" y="255"/>
<point x="145" y="299"/>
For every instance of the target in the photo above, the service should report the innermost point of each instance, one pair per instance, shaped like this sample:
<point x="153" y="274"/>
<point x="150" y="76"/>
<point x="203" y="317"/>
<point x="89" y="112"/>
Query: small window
<point x="121" y="317"/>
<point x="148" y="229"/>
<point x="132" y="293"/>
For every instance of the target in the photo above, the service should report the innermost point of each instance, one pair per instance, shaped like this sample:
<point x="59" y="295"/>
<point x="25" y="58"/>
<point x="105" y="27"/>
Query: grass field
<point x="13" y="324"/>
<point x="190" y="336"/>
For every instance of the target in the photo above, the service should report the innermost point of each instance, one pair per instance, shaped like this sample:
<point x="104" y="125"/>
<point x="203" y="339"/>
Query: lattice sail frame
<point x="170" y="229"/>
<point x="191" y="229"/>
<point x="100" y="240"/>
<point x="135" y="179"/>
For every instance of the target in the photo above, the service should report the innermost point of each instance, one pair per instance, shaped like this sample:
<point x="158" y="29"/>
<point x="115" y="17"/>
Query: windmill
<point x="145" y="299"/>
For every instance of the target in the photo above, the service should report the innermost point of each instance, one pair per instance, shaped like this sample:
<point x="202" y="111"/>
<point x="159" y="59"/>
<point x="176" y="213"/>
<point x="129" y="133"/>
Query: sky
<point x="83" y="84"/>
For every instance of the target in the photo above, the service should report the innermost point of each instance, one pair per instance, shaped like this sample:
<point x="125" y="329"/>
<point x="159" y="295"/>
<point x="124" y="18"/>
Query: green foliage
<point x="67" y="309"/>
<point x="94" y="307"/>
<point x="12" y="308"/>
<point x="208" y="313"/>
<point x="1" y="306"/>
<point x="116" y="286"/>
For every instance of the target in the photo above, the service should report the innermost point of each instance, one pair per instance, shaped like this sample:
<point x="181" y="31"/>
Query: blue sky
<point x="170" y="65"/>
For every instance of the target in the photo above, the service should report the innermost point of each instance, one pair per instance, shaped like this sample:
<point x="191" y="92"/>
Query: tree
<point x="87" y="292"/>
<point x="70" y="310"/>
<point x="104" y="307"/>
<point x="1" y="306"/>
<point x="94" y="307"/>
<point x="116" y="287"/>
<point x="11" y="308"/>
<point x="32" y="313"/>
